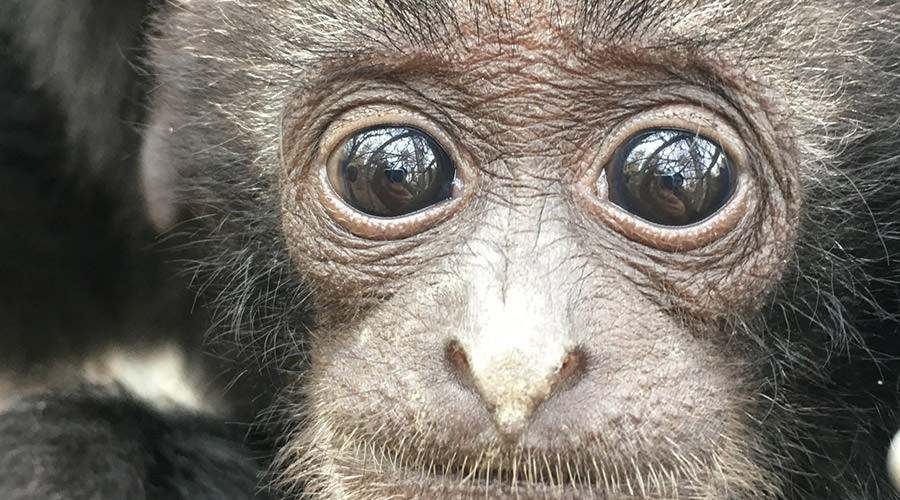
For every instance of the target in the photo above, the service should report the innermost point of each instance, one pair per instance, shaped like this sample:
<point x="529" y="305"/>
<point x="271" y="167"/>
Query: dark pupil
<point x="389" y="171"/>
<point x="671" y="177"/>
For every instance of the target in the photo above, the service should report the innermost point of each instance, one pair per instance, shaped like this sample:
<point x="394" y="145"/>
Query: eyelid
<point x="681" y="116"/>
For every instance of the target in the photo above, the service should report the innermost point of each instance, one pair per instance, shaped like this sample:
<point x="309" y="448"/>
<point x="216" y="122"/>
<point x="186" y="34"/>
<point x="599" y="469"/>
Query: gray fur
<point x="819" y="348"/>
<point x="228" y="73"/>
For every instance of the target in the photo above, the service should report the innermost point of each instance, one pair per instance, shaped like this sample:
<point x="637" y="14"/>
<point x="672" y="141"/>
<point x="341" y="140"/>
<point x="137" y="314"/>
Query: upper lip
<point x="520" y="472"/>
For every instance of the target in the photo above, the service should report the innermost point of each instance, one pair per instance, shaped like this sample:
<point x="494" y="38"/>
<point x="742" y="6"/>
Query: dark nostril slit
<point x="459" y="363"/>
<point x="570" y="371"/>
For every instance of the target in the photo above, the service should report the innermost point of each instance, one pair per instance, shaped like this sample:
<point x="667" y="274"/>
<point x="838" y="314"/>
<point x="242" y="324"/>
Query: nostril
<point x="458" y="362"/>
<point x="571" y="369"/>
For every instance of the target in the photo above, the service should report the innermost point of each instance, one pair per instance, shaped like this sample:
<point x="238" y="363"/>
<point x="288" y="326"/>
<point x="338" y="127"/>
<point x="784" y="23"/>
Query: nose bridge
<point x="518" y="337"/>
<point x="518" y="283"/>
<point x="524" y="243"/>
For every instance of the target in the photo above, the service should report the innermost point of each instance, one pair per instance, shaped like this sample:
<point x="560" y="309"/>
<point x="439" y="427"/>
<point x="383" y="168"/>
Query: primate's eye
<point x="670" y="176"/>
<point x="391" y="171"/>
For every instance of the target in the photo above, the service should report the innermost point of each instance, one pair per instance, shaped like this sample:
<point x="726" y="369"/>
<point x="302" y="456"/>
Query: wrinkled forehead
<point x="456" y="27"/>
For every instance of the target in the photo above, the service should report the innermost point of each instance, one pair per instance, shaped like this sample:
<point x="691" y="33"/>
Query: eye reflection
<point x="392" y="170"/>
<point x="671" y="177"/>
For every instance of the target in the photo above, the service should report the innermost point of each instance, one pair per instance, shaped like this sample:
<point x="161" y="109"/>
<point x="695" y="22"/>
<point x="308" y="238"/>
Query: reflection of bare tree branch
<point x="355" y="144"/>
<point x="395" y="170"/>
<point x="381" y="149"/>
<point x="680" y="178"/>
<point x="675" y="138"/>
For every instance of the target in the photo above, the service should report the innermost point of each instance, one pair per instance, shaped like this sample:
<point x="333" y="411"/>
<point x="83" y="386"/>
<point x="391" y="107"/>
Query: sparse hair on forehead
<point x="461" y="248"/>
<point x="449" y="27"/>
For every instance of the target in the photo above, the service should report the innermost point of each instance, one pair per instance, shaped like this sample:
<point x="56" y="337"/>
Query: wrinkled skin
<point x="526" y="338"/>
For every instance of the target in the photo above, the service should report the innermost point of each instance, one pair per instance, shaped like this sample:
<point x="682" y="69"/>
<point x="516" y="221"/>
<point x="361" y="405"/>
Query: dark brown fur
<point x="797" y="307"/>
<point x="756" y="363"/>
